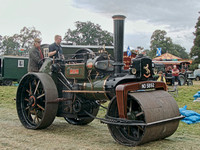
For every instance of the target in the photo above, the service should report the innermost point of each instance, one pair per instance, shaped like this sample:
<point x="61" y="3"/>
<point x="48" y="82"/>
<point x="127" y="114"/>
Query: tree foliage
<point x="10" y="45"/>
<point x="1" y="38"/>
<point x="160" y="40"/>
<point x="195" y="50"/>
<point x="26" y="37"/>
<point x="88" y="33"/>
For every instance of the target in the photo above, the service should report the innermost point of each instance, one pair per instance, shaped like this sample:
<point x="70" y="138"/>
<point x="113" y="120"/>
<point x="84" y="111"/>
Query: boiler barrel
<point x="96" y="90"/>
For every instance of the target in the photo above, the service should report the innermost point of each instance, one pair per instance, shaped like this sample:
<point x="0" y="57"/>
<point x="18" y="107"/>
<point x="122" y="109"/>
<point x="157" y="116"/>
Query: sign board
<point x="20" y="63"/>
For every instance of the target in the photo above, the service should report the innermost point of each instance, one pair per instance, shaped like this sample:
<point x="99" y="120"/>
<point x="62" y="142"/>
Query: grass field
<point x="61" y="135"/>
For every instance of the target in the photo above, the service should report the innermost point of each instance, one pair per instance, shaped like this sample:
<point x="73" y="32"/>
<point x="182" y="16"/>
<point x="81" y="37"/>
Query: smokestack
<point x="118" y="42"/>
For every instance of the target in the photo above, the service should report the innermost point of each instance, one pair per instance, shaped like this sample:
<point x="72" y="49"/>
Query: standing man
<point x="175" y="75"/>
<point x="55" y="50"/>
<point x="35" y="56"/>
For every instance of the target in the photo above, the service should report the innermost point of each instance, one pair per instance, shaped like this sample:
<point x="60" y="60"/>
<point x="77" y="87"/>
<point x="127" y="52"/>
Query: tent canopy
<point x="167" y="56"/>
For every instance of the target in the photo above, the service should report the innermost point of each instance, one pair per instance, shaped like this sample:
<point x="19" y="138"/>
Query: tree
<point x="88" y="33"/>
<point x="146" y="52"/>
<point x="26" y="37"/>
<point x="195" y="50"/>
<point x="1" y="38"/>
<point x="10" y="45"/>
<point x="180" y="51"/>
<point x="160" y="40"/>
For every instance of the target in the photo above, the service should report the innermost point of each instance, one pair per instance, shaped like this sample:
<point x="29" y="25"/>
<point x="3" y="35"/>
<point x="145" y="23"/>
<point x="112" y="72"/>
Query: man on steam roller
<point x="55" y="50"/>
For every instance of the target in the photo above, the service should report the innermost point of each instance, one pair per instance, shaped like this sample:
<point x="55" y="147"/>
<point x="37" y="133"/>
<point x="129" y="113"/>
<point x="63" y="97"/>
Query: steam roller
<point x="140" y="110"/>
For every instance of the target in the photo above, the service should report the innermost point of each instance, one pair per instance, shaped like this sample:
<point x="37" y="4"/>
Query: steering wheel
<point x="80" y="53"/>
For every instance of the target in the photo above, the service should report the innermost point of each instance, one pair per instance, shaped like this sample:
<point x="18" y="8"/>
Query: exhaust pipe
<point x="118" y="42"/>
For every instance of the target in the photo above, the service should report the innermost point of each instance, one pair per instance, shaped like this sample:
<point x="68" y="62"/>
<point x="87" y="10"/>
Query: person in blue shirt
<point x="55" y="50"/>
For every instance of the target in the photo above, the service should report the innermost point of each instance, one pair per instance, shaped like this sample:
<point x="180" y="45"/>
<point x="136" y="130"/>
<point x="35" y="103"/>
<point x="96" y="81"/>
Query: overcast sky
<point x="177" y="17"/>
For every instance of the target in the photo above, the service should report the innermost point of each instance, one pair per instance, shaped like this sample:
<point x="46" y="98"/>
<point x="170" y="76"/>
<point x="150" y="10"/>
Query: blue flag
<point x="159" y="51"/>
<point x="128" y="51"/>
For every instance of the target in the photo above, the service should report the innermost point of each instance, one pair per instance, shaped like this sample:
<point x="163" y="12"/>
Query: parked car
<point x="195" y="74"/>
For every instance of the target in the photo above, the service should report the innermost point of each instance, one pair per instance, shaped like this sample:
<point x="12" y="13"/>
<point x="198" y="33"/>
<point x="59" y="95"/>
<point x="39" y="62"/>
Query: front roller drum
<point x="35" y="95"/>
<point x="146" y="107"/>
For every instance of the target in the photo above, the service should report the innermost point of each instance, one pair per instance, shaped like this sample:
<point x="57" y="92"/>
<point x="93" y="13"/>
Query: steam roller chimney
<point x="118" y="42"/>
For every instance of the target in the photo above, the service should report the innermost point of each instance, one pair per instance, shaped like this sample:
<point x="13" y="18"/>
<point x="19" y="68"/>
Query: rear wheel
<point x="189" y="82"/>
<point x="83" y="120"/>
<point x="35" y="95"/>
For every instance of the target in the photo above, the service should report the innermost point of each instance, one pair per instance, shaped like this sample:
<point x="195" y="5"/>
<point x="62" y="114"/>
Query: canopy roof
<point x="166" y="56"/>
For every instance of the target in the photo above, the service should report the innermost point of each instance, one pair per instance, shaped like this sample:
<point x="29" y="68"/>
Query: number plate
<point x="147" y="85"/>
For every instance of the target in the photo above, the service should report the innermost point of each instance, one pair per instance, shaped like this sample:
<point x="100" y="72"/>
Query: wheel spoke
<point x="138" y="133"/>
<point x="34" y="120"/>
<point x="29" y="114"/>
<point x="30" y="88"/>
<point x="139" y="114"/>
<point x="34" y="82"/>
<point x="130" y="109"/>
<point x="139" y="127"/>
<point x="27" y="108"/>
<point x="28" y="92"/>
<point x="40" y="107"/>
<point x="37" y="119"/>
<point x="129" y="130"/>
<point x="36" y="87"/>
<point x="41" y="95"/>
<point x="26" y="99"/>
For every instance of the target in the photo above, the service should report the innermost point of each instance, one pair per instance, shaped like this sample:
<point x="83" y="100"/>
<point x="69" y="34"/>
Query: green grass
<point x="7" y="96"/>
<point x="61" y="135"/>
<point x="185" y="96"/>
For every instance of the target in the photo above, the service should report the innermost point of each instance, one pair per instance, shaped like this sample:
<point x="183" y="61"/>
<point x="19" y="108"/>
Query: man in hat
<point x="35" y="56"/>
<point x="55" y="50"/>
